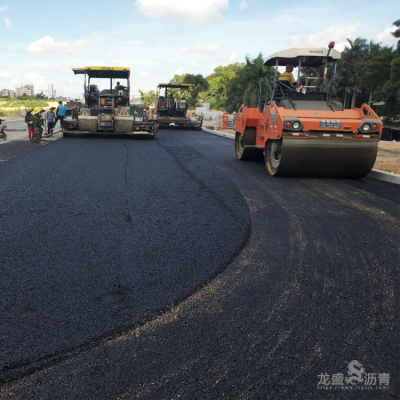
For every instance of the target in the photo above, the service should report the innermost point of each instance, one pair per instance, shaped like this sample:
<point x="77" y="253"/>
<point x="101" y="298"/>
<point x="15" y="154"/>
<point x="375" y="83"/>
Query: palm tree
<point x="396" y="33"/>
<point x="245" y="87"/>
<point x="357" y="53"/>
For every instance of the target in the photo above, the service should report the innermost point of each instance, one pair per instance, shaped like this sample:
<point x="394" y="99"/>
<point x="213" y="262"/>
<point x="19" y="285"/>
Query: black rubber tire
<point x="272" y="150"/>
<point x="249" y="139"/>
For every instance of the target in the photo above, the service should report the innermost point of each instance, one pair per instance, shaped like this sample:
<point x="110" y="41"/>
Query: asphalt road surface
<point x="168" y="269"/>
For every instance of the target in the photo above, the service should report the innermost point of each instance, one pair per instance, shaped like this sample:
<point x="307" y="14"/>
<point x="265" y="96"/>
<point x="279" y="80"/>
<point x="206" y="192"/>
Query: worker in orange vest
<point x="224" y="120"/>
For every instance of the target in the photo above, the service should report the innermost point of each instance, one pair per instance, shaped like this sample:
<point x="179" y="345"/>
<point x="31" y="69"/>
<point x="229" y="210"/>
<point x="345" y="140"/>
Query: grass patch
<point x="7" y="113"/>
<point x="17" y="103"/>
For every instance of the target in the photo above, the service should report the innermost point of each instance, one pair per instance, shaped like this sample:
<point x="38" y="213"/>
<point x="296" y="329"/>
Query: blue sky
<point x="41" y="41"/>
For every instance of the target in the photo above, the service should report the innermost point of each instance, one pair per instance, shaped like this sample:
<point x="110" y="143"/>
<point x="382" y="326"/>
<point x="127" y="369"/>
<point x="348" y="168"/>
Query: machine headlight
<point x="366" y="127"/>
<point x="296" y="125"/>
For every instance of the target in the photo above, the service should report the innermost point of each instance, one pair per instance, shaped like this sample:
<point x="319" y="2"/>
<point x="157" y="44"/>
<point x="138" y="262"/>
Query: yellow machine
<point x="108" y="111"/>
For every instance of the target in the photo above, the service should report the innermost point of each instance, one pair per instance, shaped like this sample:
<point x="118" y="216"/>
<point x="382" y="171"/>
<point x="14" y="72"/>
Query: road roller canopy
<point x="310" y="57"/>
<point x="174" y="85"/>
<point x="104" y="72"/>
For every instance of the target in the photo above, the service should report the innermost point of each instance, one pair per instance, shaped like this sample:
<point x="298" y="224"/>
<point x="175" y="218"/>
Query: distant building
<point x="8" y="93"/>
<point x="51" y="93"/>
<point x="26" y="90"/>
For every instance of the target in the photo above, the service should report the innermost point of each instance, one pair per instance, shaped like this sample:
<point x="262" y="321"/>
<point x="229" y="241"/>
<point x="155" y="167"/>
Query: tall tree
<point x="396" y="33"/>
<point x="197" y="84"/>
<point x="245" y="87"/>
<point x="149" y="98"/>
<point x="351" y="57"/>
<point x="219" y="81"/>
<point x="392" y="86"/>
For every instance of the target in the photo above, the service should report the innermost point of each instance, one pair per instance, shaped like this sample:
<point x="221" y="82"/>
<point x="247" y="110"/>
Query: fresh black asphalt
<point x="168" y="269"/>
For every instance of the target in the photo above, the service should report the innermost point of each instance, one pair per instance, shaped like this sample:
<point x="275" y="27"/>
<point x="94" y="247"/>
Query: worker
<point x="61" y="111"/>
<point x="51" y="120"/>
<point x="29" y="123"/>
<point x="287" y="76"/>
<point x="38" y="123"/>
<point x="75" y="113"/>
<point x="224" y="120"/>
<point x="234" y="119"/>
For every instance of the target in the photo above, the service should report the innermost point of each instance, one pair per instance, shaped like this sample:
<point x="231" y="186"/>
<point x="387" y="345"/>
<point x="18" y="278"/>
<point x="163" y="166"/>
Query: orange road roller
<point x="299" y="129"/>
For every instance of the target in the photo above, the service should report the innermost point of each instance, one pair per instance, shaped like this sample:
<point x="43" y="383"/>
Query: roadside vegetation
<point x="22" y="102"/>
<point x="367" y="72"/>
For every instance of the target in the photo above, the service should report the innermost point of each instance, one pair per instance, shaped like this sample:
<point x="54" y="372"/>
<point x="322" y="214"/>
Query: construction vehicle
<point x="172" y="106"/>
<point x="107" y="111"/>
<point x="301" y="130"/>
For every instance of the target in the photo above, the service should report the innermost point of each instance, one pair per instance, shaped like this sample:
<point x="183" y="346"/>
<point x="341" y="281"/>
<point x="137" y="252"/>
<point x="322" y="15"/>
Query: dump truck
<point x="300" y="129"/>
<point x="172" y="106"/>
<point x="108" y="111"/>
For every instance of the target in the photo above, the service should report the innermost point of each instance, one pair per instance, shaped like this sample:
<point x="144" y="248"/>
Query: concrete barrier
<point x="385" y="176"/>
<point x="222" y="134"/>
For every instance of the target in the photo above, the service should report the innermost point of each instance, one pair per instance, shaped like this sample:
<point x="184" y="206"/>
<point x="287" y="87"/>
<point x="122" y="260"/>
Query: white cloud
<point x="15" y="83"/>
<point x="191" y="63"/>
<point x="205" y="48"/>
<point x="243" y="5"/>
<point x="337" y="33"/>
<point x="208" y="48"/>
<point x="39" y="81"/>
<point x="179" y="71"/>
<point x="198" y="11"/>
<point x="144" y="73"/>
<point x="5" y="74"/>
<point x="8" y="22"/>
<point x="48" y="44"/>
<point x="385" y="37"/>
<point x="3" y="8"/>
<point x="233" y="58"/>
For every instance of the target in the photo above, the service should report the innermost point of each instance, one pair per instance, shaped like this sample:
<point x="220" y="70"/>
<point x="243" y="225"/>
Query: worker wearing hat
<point x="38" y="123"/>
<point x="287" y="76"/>
<point x="29" y="123"/>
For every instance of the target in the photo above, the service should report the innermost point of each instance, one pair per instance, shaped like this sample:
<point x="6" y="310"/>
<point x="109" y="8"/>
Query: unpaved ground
<point x="388" y="157"/>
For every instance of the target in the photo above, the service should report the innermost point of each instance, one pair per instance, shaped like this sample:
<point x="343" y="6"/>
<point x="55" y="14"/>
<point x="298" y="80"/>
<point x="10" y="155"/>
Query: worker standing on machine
<point x="75" y="113"/>
<point x="287" y="76"/>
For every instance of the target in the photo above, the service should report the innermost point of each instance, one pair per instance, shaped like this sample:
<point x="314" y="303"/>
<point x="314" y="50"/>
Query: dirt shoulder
<point x="388" y="159"/>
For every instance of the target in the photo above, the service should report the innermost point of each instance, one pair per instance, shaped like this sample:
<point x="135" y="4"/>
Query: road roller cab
<point x="300" y="129"/>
